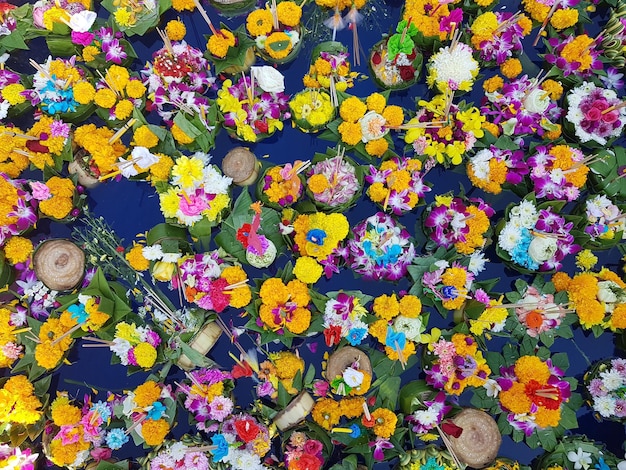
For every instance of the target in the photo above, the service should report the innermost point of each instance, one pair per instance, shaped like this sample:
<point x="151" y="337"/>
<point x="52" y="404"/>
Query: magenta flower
<point x="379" y="446"/>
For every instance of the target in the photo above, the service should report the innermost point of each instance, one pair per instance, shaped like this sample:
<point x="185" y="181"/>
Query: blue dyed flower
<point x="356" y="335"/>
<point x="395" y="340"/>
<point x="520" y="255"/>
<point x="316" y="236"/>
<point x="103" y="409"/>
<point x="116" y="438"/>
<point x="222" y="447"/>
<point x="78" y="313"/>
<point x="356" y="431"/>
<point x="158" y="409"/>
<point x="449" y="292"/>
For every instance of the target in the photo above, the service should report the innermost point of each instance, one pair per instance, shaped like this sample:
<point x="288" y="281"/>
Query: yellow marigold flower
<point x="160" y="171"/>
<point x="386" y="306"/>
<point x="493" y="84"/>
<point x="136" y="259"/>
<point x="485" y="24"/>
<point x="326" y="413"/>
<point x="135" y="89"/>
<point x="64" y="413"/>
<point x="11" y="93"/>
<point x="308" y="270"/>
<point x="310" y="82"/>
<point x="84" y="92"/>
<point x="181" y="5"/>
<point x="484" y="3"/>
<point x="147" y="393"/>
<point x="526" y="24"/>
<point x="546" y="418"/>
<point x="618" y="318"/>
<point x="180" y="136"/>
<point x="145" y="355"/>
<point x="350" y="132"/>
<point x="300" y="321"/>
<point x="278" y="37"/>
<point x="408" y="351"/>
<point x="553" y="88"/>
<point x="377" y="147"/>
<point x="154" y="431"/>
<point x="385" y="422"/>
<point x="124" y="109"/>
<point x="18" y="249"/>
<point x="377" y="192"/>
<point x="351" y="407"/>
<point x="175" y="30"/>
<point x="90" y="53"/>
<point x="57" y="207"/>
<point x="529" y="368"/>
<point x="590" y="312"/>
<point x="352" y="109"/>
<point x="578" y="51"/>
<point x="273" y="292"/>
<point x="378" y="330"/>
<point x="144" y="137"/>
<point x="318" y="183"/>
<point x="515" y="399"/>
<point x="492" y="128"/>
<point x="289" y="13"/>
<point x="454" y="277"/>
<point x="376" y="102"/>
<point x="321" y="66"/>
<point x="47" y="355"/>
<point x="299" y="292"/>
<point x="394" y="115"/>
<point x="564" y="18"/>
<point x="511" y="68"/>
<point x="287" y="364"/>
<point x="260" y="22"/>
<point x="553" y="135"/>
<point x="105" y="98"/>
<point x="410" y="306"/>
<point x="585" y="260"/>
<point x="219" y="43"/>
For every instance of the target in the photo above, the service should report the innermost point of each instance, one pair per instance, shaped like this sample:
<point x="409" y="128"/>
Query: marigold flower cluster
<point x="119" y="93"/>
<point x="281" y="367"/>
<point x="60" y="202"/>
<point x="427" y="16"/>
<point x="311" y="109"/>
<point x="135" y="345"/>
<point x="330" y="67"/>
<point x="12" y="162"/>
<point x="279" y="42"/>
<point x="489" y="169"/>
<point x="533" y="393"/>
<point x="282" y="185"/>
<point x="598" y="298"/>
<point x="18" y="403"/>
<point x="558" y="172"/>
<point x="285" y="306"/>
<point x="498" y="36"/>
<point x="54" y="340"/>
<point x="327" y="412"/>
<point x="52" y="134"/>
<point x="102" y="151"/>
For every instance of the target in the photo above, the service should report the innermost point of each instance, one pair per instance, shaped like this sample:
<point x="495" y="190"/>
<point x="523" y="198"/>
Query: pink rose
<point x="611" y="117"/>
<point x="593" y="114"/>
<point x="313" y="447"/>
<point x="600" y="104"/>
<point x="101" y="453"/>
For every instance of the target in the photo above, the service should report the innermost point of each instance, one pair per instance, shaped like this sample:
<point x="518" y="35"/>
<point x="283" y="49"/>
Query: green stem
<point x="582" y="353"/>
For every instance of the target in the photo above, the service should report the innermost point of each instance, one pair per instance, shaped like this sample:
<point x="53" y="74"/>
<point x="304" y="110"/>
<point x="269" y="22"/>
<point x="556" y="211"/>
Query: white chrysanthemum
<point x="215" y="182"/>
<point x="178" y="450"/>
<point x="612" y="380"/>
<point x="509" y="237"/>
<point x="428" y="417"/>
<point x="480" y="164"/>
<point x="120" y="348"/>
<point x="477" y="262"/>
<point x="453" y="69"/>
<point x="605" y="406"/>
<point x="170" y="257"/>
<point x="152" y="252"/>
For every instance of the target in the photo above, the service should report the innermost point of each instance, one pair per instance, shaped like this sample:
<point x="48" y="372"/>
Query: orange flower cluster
<point x="285" y="306"/>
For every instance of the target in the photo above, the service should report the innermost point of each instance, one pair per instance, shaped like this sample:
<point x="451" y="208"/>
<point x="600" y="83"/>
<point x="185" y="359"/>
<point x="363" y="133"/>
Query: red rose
<point x="412" y="55"/>
<point x="261" y="126"/>
<point x="247" y="430"/>
<point x="407" y="73"/>
<point x="376" y="59"/>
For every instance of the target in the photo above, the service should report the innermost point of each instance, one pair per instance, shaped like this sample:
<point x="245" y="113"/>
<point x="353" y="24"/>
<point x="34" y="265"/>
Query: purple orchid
<point x="379" y="446"/>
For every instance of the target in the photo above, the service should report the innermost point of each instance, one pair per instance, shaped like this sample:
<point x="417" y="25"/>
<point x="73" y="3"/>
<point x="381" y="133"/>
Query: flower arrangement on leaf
<point x="605" y="386"/>
<point x="456" y="364"/>
<point x="344" y="318"/>
<point x="282" y="310"/>
<point x="364" y="125"/>
<point x="535" y="237"/>
<point x="276" y="30"/>
<point x="396" y="61"/>
<point x="398" y="184"/>
<point x="17" y="211"/>
<point x="241" y="443"/>
<point x="22" y="406"/>
<point x="398" y="326"/>
<point x="255" y="106"/>
<point x="542" y="312"/>
<point x="209" y="282"/>
<point x="311" y="109"/>
<point x="578" y="451"/>
<point x="282" y="186"/>
<point x="77" y="433"/>
<point x="595" y="115"/>
<point x="12" y="100"/>
<point x="330" y="69"/>
<point x="148" y="412"/>
<point x="103" y="46"/>
<point x="334" y="181"/>
<point x="599" y="299"/>
<point x="558" y="171"/>
<point x="493" y="169"/>
<point x="432" y="20"/>
<point x="534" y="395"/>
<point x="605" y="222"/>
<point x="443" y="130"/>
<point x="132" y="18"/>
<point x="49" y="143"/>
<point x="453" y="68"/>
<point x="186" y="452"/>
<point x="280" y="376"/>
<point x="317" y="238"/>
<point x="98" y="149"/>
<point x="573" y="55"/>
<point x="207" y="396"/>
<point x="231" y="52"/>
<point x="58" y="199"/>
<point x="381" y="249"/>
<point x="459" y="222"/>
<point x="196" y="195"/>
<point x="118" y="93"/>
<point x="14" y="157"/>
<point x="557" y="15"/>
<point x="498" y="36"/>
<point x="62" y="87"/>
<point x="447" y="285"/>
<point x="523" y="106"/>
<point x="61" y="16"/>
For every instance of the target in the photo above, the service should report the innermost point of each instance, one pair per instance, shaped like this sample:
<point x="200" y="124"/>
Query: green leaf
<point x="349" y="463"/>
<point x="547" y="439"/>
<point x="388" y="392"/>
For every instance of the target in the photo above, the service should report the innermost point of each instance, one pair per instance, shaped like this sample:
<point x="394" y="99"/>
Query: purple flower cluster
<point x="505" y="44"/>
<point x="549" y="180"/>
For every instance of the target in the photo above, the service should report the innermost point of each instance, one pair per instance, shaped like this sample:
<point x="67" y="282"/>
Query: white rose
<point x="537" y="101"/>
<point x="606" y="291"/>
<point x="269" y="79"/>
<point x="83" y="21"/>
<point x="352" y="377"/>
<point x="541" y="249"/>
<point x="373" y="126"/>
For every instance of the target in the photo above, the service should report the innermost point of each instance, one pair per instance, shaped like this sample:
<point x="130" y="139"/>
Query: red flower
<point x="546" y="395"/>
<point x="243" y="233"/>
<point x="219" y="297"/>
<point x="261" y="126"/>
<point x="376" y="59"/>
<point x="332" y="335"/>
<point x="407" y="72"/>
<point x="247" y="430"/>
<point x="305" y="462"/>
<point x="241" y="370"/>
